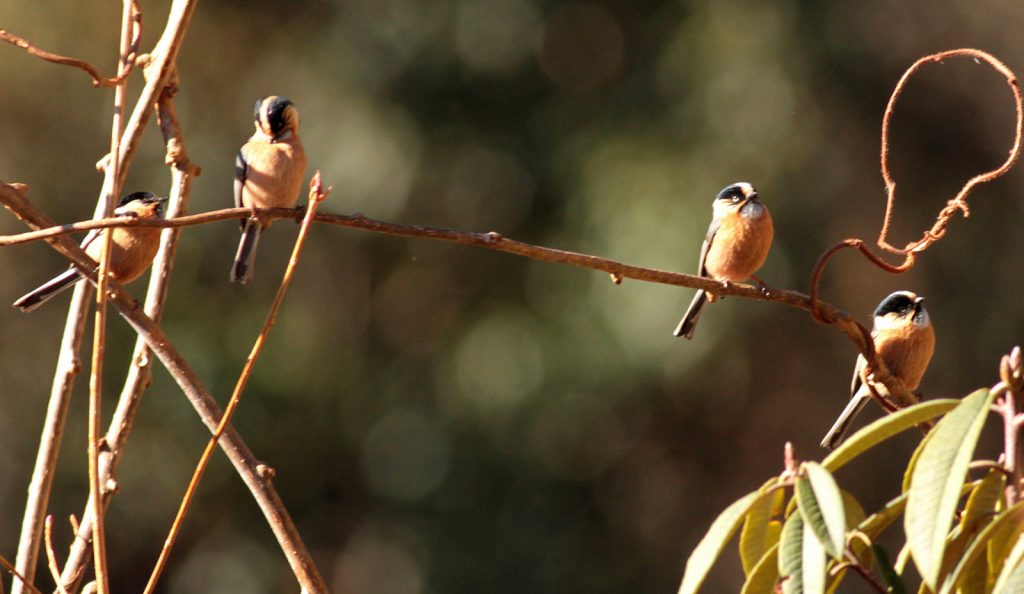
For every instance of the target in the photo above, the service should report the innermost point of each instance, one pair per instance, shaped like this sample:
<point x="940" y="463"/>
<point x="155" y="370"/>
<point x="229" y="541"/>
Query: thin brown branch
<point x="18" y="577"/>
<point x="99" y="540"/>
<point x="317" y="194"/>
<point x="253" y="473"/>
<point x="958" y="202"/>
<point x="1011" y="371"/>
<point x="51" y="556"/>
<point x="98" y="79"/>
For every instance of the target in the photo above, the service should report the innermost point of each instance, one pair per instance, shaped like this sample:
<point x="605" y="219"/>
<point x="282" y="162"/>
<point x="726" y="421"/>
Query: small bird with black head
<point x="735" y="247"/>
<point x="131" y="249"/>
<point x="904" y="340"/>
<point x="269" y="171"/>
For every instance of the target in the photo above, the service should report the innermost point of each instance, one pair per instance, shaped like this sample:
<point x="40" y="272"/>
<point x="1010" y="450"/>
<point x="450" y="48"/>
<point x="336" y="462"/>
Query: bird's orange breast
<point x="274" y="174"/>
<point x="740" y="246"/>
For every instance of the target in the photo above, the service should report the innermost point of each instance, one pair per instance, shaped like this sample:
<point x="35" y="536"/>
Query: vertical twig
<point x="1011" y="372"/>
<point x="51" y="556"/>
<point x="316" y="195"/>
<point x="99" y="540"/>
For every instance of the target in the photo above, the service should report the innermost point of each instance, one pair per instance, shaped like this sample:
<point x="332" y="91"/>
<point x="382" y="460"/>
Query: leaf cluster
<point x="803" y="533"/>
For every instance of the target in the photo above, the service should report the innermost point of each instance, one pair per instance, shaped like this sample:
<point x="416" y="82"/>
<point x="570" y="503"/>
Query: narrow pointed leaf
<point x="981" y="505"/>
<point x="1011" y="579"/>
<point x="764" y="575"/>
<point x="754" y="535"/>
<point x="710" y="547"/>
<point x="821" y="505"/>
<point x="937" y="480"/>
<point x="1010" y="520"/>
<point x="791" y="545"/>
<point x="814" y="562"/>
<point x="884" y="428"/>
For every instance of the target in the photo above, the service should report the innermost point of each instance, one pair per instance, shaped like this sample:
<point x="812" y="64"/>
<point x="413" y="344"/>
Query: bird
<point x="131" y="249"/>
<point x="269" y="171"/>
<point x="735" y="247"/>
<point x="904" y="340"/>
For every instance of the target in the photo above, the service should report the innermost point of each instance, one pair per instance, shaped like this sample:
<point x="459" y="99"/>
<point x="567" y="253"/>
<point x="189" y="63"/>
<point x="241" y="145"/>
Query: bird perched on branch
<point x="735" y="246"/>
<point x="904" y="340"/>
<point x="268" y="174"/>
<point x="131" y="249"/>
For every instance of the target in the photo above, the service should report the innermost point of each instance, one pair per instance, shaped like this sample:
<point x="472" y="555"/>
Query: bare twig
<point x="958" y="202"/>
<point x="18" y="577"/>
<point x="98" y="79"/>
<point x="317" y="194"/>
<point x="51" y="556"/>
<point x="1011" y="372"/>
<point x="99" y="540"/>
<point x="253" y="473"/>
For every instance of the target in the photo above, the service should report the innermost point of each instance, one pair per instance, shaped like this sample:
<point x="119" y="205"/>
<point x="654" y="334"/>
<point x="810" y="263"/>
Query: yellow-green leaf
<point x="710" y="547"/>
<point x="821" y="505"/>
<point x="884" y="428"/>
<point x="814" y="562"/>
<point x="912" y="463"/>
<point x="1011" y="519"/>
<point x="754" y="535"/>
<point x="791" y="545"/>
<point x="765" y="573"/>
<point x="937" y="480"/>
<point x="1011" y="579"/>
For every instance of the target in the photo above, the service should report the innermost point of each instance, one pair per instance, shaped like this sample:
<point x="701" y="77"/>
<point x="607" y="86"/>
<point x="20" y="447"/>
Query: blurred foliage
<point x="446" y="419"/>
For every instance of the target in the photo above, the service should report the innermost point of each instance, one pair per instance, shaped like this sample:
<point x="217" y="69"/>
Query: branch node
<point x="266" y="472"/>
<point x="492" y="237"/>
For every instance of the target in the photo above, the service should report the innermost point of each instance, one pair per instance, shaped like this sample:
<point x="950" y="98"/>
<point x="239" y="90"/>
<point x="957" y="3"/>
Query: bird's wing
<point x="241" y="171"/>
<point x="856" y="382"/>
<point x="706" y="246"/>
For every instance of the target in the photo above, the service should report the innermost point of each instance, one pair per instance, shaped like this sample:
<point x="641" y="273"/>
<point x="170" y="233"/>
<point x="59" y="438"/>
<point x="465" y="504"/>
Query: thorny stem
<point x="317" y="194"/>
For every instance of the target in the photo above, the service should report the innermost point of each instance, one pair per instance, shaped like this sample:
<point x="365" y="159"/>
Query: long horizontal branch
<point x="897" y="395"/>
<point x="491" y="240"/>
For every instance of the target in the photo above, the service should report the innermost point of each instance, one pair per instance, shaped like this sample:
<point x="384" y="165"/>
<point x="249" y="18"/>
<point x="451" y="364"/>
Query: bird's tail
<point x="241" y="271"/>
<point x="689" y="322"/>
<point x="838" y="431"/>
<point x="43" y="293"/>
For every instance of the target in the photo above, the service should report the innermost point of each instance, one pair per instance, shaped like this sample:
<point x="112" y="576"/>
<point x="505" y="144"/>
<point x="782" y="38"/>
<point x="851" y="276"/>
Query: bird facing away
<point x="735" y="247"/>
<point x="904" y="340"/>
<point x="268" y="174"/>
<point x="131" y="249"/>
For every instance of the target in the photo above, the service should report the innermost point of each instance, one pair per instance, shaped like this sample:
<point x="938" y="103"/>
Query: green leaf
<point x="884" y="428"/>
<point x="912" y="464"/>
<point x="754" y="536"/>
<point x="814" y="562"/>
<point x="880" y="520"/>
<point x="1011" y="579"/>
<point x="1010" y="520"/>
<point x="981" y="505"/>
<point x="889" y="575"/>
<point x="791" y="545"/>
<point x="978" y="512"/>
<point x="710" y="547"/>
<point x="821" y="505"/>
<point x="1004" y="538"/>
<point x="937" y="480"/>
<point x="764" y="575"/>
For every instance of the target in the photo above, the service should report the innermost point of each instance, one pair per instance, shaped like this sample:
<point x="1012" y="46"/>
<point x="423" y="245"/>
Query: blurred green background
<point x="449" y="419"/>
